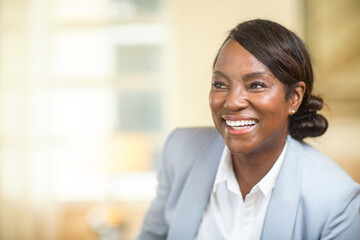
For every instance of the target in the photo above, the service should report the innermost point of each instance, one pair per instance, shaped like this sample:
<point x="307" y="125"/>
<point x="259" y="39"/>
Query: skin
<point x="244" y="89"/>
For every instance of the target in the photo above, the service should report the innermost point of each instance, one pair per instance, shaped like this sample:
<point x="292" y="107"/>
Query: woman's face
<point x="247" y="102"/>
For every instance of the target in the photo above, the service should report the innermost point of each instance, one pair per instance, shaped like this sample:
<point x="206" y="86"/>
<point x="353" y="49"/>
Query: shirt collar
<point x="225" y="173"/>
<point x="267" y="183"/>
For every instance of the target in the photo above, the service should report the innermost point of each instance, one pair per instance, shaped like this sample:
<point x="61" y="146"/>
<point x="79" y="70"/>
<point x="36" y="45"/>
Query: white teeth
<point x="241" y="123"/>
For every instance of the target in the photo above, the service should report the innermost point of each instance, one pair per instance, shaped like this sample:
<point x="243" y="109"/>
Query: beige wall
<point x="333" y="32"/>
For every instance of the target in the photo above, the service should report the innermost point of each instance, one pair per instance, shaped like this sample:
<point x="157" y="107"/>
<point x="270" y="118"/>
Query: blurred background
<point x="89" y="90"/>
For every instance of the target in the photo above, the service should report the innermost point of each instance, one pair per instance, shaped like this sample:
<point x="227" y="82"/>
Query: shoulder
<point x="191" y="136"/>
<point x="183" y="149"/>
<point x="321" y="170"/>
<point x="184" y="144"/>
<point x="327" y="194"/>
<point x="323" y="178"/>
<point x="326" y="189"/>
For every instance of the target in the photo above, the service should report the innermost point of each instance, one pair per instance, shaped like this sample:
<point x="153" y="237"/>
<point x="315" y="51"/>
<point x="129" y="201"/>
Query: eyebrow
<point x="255" y="74"/>
<point x="246" y="76"/>
<point x="221" y="74"/>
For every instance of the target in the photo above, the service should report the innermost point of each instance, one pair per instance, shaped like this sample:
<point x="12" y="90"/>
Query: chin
<point x="237" y="147"/>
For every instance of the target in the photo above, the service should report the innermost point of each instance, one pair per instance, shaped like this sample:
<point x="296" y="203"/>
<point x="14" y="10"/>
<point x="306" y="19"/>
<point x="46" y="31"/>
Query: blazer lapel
<point x="196" y="192"/>
<point x="281" y="213"/>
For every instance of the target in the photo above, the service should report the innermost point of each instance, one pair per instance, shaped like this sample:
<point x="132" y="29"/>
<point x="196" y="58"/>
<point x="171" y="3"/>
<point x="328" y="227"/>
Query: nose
<point x="236" y="100"/>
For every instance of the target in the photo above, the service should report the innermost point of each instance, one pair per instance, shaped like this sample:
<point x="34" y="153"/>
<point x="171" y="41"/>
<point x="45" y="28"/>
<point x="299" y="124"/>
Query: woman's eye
<point x="257" y="85"/>
<point x="219" y="85"/>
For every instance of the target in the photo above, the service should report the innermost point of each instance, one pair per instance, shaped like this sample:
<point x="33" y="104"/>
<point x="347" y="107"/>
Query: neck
<point x="250" y="168"/>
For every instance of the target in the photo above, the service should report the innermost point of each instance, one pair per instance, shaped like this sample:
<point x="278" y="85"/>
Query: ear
<point x="296" y="97"/>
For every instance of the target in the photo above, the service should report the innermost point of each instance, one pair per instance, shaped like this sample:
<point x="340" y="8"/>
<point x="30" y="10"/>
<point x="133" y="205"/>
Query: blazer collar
<point x="280" y="216"/>
<point x="196" y="193"/>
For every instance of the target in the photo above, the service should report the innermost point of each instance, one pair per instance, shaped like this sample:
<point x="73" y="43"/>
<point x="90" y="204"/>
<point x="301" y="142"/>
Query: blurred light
<point x="133" y="186"/>
<point x="82" y="54"/>
<point x="79" y="10"/>
<point x="138" y="34"/>
<point x="84" y="112"/>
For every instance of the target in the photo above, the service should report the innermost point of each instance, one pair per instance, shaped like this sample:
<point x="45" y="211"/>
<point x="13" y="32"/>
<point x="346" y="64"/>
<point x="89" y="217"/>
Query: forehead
<point x="235" y="58"/>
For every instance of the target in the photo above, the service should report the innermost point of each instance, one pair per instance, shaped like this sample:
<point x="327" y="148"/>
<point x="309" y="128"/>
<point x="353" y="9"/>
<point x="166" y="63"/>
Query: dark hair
<point x="286" y="57"/>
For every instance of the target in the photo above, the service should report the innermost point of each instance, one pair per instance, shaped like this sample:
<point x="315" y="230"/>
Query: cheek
<point x="274" y="106"/>
<point x="215" y="102"/>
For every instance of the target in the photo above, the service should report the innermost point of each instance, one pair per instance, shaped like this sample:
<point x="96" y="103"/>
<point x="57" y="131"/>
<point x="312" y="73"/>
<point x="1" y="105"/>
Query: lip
<point x="238" y="118"/>
<point x="239" y="130"/>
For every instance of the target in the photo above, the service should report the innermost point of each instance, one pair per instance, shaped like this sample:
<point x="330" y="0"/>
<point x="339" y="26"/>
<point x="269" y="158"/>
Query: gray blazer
<point x="313" y="198"/>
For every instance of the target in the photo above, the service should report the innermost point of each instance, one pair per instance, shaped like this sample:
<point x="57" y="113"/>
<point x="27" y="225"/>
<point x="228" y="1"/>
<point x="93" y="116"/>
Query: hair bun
<point x="313" y="104"/>
<point x="307" y="122"/>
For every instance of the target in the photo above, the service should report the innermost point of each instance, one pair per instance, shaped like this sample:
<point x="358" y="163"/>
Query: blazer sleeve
<point x="154" y="225"/>
<point x="344" y="219"/>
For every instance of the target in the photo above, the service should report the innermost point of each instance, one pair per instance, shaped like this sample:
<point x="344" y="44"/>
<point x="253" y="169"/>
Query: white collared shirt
<point x="227" y="215"/>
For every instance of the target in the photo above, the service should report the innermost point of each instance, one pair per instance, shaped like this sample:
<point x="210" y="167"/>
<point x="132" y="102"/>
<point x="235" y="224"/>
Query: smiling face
<point x="248" y="103"/>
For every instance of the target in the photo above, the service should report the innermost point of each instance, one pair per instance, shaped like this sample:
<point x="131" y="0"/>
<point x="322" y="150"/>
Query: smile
<point x="241" y="124"/>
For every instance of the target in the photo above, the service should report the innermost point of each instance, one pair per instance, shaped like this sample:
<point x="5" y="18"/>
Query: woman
<point x="253" y="177"/>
